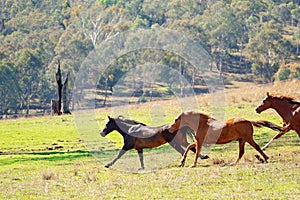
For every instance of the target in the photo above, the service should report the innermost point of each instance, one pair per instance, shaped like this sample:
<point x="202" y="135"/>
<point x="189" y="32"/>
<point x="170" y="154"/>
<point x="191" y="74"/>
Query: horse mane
<point x="130" y="121"/>
<point x="202" y="115"/>
<point x="286" y="98"/>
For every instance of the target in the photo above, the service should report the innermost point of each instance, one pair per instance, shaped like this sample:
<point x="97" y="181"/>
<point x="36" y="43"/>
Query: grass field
<point x="46" y="158"/>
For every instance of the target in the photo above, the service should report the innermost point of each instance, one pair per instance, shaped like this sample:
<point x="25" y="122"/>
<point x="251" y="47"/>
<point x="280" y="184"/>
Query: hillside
<point x="245" y="41"/>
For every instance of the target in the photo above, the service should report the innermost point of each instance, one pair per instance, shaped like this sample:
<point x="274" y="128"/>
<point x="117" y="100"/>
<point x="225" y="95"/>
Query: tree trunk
<point x="2" y="26"/>
<point x="60" y="85"/>
<point x="105" y="95"/>
<point x="181" y="70"/>
<point x="54" y="106"/>
<point x="65" y="97"/>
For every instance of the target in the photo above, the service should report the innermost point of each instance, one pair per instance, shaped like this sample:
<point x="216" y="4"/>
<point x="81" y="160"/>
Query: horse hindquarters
<point x="246" y="135"/>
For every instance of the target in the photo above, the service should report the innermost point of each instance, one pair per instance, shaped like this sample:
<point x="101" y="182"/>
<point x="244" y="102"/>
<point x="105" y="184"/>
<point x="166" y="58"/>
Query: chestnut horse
<point x="287" y="108"/>
<point x="138" y="136"/>
<point x="210" y="131"/>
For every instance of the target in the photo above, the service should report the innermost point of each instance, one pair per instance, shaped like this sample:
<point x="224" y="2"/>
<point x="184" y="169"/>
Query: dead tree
<point x="60" y="85"/>
<point x="54" y="107"/>
<point x="63" y="95"/>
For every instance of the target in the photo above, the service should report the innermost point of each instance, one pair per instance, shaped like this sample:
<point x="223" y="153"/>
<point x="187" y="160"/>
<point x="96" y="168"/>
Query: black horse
<point x="138" y="136"/>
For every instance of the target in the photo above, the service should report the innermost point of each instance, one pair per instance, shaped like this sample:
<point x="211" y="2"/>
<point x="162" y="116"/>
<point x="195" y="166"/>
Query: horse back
<point x="235" y="128"/>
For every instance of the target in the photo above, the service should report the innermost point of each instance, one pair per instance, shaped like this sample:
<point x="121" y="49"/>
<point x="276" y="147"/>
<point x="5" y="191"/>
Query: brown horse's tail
<point x="260" y="123"/>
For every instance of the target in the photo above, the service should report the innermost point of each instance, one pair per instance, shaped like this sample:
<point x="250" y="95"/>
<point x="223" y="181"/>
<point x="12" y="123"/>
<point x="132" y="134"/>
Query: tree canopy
<point x="257" y="37"/>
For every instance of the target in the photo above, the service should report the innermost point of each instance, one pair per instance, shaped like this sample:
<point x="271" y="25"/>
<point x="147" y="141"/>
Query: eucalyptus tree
<point x="223" y="28"/>
<point x="267" y="50"/>
<point x="28" y="75"/>
<point x="9" y="88"/>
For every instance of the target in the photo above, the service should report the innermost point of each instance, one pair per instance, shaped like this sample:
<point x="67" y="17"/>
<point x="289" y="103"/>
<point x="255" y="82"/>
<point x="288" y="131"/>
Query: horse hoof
<point x="203" y="157"/>
<point x="141" y="169"/>
<point x="107" y="166"/>
<point x="260" y="159"/>
<point x="181" y="165"/>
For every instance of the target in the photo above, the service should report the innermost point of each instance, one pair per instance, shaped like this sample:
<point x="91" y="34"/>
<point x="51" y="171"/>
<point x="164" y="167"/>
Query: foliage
<point x="283" y="73"/>
<point x="35" y="34"/>
<point x="288" y="71"/>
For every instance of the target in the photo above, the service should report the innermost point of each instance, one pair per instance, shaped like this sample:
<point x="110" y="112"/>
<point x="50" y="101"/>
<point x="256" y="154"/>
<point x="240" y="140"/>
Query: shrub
<point x="283" y="73"/>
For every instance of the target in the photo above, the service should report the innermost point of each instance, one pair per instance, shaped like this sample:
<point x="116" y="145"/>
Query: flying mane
<point x="286" y="98"/>
<point x="130" y="121"/>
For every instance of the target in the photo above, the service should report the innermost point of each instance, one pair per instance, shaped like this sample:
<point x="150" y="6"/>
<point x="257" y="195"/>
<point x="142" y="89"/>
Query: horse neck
<point x="283" y="108"/>
<point x="123" y="127"/>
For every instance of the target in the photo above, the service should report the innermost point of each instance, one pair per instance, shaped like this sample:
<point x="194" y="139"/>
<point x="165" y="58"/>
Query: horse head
<point x="109" y="127"/>
<point x="265" y="104"/>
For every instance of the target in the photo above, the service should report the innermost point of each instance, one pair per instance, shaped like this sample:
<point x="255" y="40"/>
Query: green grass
<point x="46" y="158"/>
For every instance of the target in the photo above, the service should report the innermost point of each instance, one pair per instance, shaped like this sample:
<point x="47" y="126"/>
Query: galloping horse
<point x="138" y="136"/>
<point x="210" y="131"/>
<point x="287" y="108"/>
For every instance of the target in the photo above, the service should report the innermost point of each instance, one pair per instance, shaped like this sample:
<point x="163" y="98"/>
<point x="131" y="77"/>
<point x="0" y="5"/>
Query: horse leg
<point x="177" y="147"/>
<point x="198" y="149"/>
<point x="202" y="157"/>
<point x="193" y="149"/>
<point x="241" y="151"/>
<point x="281" y="133"/>
<point x="256" y="146"/>
<point x="182" y="162"/>
<point x="140" y="152"/>
<point x="121" y="153"/>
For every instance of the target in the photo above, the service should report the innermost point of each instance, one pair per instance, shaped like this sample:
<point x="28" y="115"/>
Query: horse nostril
<point x="102" y="134"/>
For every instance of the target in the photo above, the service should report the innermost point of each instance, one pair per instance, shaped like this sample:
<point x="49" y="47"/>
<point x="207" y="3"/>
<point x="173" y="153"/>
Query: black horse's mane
<point x="130" y="121"/>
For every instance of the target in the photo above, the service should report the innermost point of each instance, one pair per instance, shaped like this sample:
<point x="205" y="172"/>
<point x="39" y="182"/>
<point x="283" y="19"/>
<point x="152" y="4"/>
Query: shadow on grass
<point x="11" y="158"/>
<point x="8" y="158"/>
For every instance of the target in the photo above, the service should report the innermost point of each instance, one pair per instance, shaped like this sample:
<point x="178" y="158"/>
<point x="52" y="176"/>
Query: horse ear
<point x="109" y="118"/>
<point x="268" y="94"/>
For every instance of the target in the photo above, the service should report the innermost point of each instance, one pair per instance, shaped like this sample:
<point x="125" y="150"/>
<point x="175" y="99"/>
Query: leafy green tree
<point x="296" y="38"/>
<point x="283" y="73"/>
<point x="9" y="88"/>
<point x="28" y="76"/>
<point x="108" y="2"/>
<point x="223" y="29"/>
<point x="281" y="13"/>
<point x="267" y="50"/>
<point x="154" y="11"/>
<point x="34" y="34"/>
<point x="100" y="24"/>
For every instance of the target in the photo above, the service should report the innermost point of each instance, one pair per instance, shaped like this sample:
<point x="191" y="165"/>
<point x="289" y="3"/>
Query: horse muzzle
<point x="103" y="134"/>
<point x="258" y="110"/>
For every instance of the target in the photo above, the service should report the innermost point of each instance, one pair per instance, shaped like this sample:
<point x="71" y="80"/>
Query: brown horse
<point x="138" y="136"/>
<point x="287" y="108"/>
<point x="210" y="131"/>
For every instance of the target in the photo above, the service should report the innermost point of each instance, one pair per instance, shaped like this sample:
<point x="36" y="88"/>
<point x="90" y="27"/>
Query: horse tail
<point x="260" y="123"/>
<point x="189" y="133"/>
